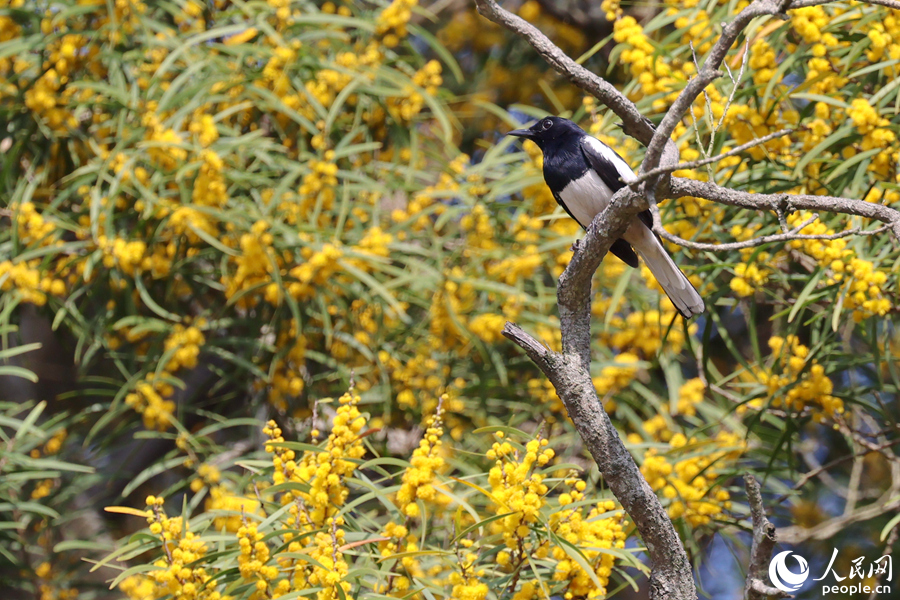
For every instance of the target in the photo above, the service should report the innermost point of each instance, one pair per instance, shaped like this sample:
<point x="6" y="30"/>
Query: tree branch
<point x="706" y="75"/>
<point x="804" y="3"/>
<point x="680" y="187"/>
<point x="634" y="123"/>
<point x="671" y="576"/>
<point x="789" y="236"/>
<point x="755" y="587"/>
<point x="712" y="159"/>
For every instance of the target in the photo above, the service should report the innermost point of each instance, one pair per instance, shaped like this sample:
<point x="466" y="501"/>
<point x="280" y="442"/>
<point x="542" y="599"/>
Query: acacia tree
<point x="569" y="370"/>
<point x="225" y="213"/>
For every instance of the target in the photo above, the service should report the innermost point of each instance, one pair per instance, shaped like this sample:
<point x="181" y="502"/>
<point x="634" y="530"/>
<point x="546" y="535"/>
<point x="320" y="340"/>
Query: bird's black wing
<point x="619" y="248"/>
<point x="623" y="250"/>
<point x="613" y="180"/>
<point x="602" y="165"/>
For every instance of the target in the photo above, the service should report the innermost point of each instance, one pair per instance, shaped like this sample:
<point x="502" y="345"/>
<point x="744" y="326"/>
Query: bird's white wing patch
<point x="586" y="197"/>
<point x="612" y="156"/>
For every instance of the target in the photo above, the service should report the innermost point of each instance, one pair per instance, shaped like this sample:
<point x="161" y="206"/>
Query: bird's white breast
<point x="586" y="196"/>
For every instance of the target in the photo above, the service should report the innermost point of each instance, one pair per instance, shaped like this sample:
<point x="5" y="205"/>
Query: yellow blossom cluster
<point x="876" y="135"/>
<point x="421" y="379"/>
<point x="418" y="480"/>
<point x="209" y="186"/>
<point x="594" y="533"/>
<point x="659" y="427"/>
<point x="488" y="327"/>
<point x="320" y="265"/>
<point x="287" y="378"/>
<point x="689" y="396"/>
<point x="428" y="200"/>
<point x="644" y="333"/>
<point x="47" y="99"/>
<point x="318" y="185"/>
<point x="183" y="347"/>
<point x="164" y="144"/>
<point x="687" y="482"/>
<point x="32" y="225"/>
<point x="865" y="290"/>
<point x="612" y="9"/>
<point x="29" y="281"/>
<point x="477" y="223"/>
<point x="53" y="445"/>
<point x="318" y="508"/>
<point x="149" y="399"/>
<point x="748" y="278"/>
<point x="796" y="381"/>
<point x="752" y="273"/>
<point x="450" y="306"/>
<point x="618" y="375"/>
<point x="654" y="74"/>
<point x="126" y="255"/>
<point x="207" y="476"/>
<point x="864" y="285"/>
<point x="253" y="561"/>
<point x="391" y="23"/>
<point x="48" y="590"/>
<point x="330" y="570"/>
<point x="517" y="488"/>
<point x="466" y="585"/>
<point x="204" y="127"/>
<point x="517" y="267"/>
<point x="884" y="35"/>
<point x="417" y="484"/>
<point x="179" y="572"/>
<point x="325" y="471"/>
<point x="221" y="500"/>
<point x="43" y="489"/>
<point x="254" y="264"/>
<point x="410" y="104"/>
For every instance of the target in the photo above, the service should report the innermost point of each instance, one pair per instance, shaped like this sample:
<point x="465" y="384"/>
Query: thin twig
<point x="805" y="3"/>
<point x="767" y="239"/>
<point x="693" y="164"/>
<point x="804" y="479"/>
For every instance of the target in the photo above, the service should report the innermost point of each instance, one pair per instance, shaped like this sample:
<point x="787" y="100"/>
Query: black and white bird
<point x="583" y="173"/>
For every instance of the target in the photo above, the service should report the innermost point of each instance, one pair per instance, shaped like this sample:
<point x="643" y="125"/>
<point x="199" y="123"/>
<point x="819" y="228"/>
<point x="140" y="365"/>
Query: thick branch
<point x="671" y="576"/>
<point x="764" y="540"/>
<point x="680" y="187"/>
<point x="634" y="123"/>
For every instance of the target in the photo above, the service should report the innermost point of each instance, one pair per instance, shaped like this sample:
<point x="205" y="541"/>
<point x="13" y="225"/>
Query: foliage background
<point x="216" y="214"/>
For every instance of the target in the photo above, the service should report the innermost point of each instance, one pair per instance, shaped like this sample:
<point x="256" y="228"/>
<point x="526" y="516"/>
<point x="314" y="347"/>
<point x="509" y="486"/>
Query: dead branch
<point x="764" y="538"/>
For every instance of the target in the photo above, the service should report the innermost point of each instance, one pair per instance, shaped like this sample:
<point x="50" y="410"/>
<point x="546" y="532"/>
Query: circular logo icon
<point x="782" y="577"/>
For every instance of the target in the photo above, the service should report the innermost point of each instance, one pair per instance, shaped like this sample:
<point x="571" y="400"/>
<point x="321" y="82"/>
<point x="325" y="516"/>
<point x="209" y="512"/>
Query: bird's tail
<point x="675" y="283"/>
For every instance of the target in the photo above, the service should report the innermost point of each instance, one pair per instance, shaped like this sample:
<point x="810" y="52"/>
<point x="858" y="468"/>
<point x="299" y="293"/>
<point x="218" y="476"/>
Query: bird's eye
<point x="546" y="124"/>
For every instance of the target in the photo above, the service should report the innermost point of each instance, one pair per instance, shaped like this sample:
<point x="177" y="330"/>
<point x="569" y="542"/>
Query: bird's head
<point x="549" y="130"/>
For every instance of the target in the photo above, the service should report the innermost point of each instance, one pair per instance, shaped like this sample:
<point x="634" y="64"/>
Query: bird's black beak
<point x="523" y="133"/>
